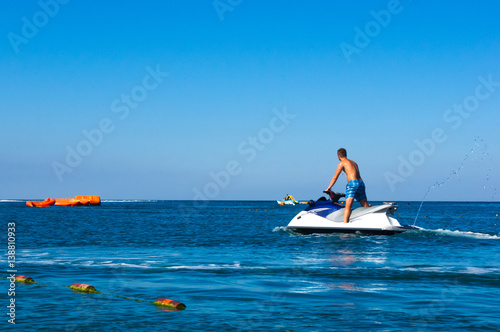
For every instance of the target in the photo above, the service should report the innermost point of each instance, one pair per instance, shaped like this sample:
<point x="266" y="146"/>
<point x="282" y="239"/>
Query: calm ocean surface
<point x="237" y="269"/>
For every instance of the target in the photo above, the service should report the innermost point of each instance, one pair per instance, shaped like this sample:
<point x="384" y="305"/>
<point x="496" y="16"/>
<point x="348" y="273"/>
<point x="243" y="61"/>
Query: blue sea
<point x="236" y="268"/>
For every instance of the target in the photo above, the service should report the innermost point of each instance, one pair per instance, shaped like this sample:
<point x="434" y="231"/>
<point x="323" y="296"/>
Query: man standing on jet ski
<point x="355" y="186"/>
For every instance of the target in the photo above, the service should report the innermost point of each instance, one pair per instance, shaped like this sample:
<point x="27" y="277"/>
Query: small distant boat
<point x="286" y="202"/>
<point x="77" y="201"/>
<point x="289" y="200"/>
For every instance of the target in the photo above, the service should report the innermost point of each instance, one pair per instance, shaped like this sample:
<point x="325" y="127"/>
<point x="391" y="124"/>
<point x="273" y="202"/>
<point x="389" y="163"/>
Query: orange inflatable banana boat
<point x="77" y="201"/>
<point x="47" y="202"/>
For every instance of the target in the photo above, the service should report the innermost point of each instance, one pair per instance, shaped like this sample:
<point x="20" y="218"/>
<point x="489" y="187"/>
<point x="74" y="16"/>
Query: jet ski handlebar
<point x="334" y="196"/>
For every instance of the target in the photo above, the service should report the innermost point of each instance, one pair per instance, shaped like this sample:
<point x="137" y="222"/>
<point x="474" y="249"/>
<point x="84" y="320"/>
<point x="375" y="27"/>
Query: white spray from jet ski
<point x="483" y="154"/>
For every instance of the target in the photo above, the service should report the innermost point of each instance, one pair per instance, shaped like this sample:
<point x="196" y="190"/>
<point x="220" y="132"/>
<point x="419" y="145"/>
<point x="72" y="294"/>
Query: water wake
<point x="457" y="233"/>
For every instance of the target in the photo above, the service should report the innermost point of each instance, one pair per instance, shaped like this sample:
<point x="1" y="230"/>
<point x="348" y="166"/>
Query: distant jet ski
<point x="327" y="215"/>
<point x="289" y="200"/>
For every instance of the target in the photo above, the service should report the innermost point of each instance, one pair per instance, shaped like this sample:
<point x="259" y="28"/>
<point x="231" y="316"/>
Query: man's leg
<point x="347" y="210"/>
<point x="361" y="196"/>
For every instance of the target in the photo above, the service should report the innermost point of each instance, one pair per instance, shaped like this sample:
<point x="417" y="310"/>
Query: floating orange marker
<point x="170" y="303"/>
<point x="86" y="288"/>
<point x="24" y="279"/>
<point x="83" y="288"/>
<point x="77" y="201"/>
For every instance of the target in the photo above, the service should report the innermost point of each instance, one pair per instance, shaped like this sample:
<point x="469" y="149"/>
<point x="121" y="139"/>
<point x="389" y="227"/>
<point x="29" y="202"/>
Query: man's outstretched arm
<point x="340" y="167"/>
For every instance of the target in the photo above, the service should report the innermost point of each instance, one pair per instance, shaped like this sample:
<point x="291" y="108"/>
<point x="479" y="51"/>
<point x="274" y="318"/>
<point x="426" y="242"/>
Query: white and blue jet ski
<point x="327" y="216"/>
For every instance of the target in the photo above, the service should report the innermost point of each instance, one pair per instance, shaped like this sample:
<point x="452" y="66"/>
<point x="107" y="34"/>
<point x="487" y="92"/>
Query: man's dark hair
<point x="342" y="153"/>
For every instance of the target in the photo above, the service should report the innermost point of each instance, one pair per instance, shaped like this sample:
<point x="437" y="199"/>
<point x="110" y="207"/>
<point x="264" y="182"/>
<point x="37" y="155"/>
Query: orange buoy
<point x="170" y="303"/>
<point x="24" y="279"/>
<point x="83" y="288"/>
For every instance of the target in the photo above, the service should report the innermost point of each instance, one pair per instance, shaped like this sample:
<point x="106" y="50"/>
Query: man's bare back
<point x="350" y="169"/>
<point x="355" y="187"/>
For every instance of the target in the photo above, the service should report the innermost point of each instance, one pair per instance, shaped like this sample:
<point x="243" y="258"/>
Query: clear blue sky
<point x="258" y="97"/>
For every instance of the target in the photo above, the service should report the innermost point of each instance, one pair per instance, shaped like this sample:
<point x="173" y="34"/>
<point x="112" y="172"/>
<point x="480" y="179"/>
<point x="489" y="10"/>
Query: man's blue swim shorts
<point x="356" y="189"/>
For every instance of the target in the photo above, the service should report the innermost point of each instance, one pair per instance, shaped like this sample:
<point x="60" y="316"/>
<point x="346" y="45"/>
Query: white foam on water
<point x="317" y="287"/>
<point x="45" y="262"/>
<point x="134" y="265"/>
<point x="446" y="270"/>
<point x="481" y="270"/>
<point x="434" y="269"/>
<point x="473" y="235"/>
<point x="236" y="265"/>
<point x="29" y="253"/>
<point x="112" y="264"/>
<point x="280" y="229"/>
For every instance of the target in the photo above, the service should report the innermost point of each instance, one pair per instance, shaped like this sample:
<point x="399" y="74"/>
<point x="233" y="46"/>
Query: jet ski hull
<point x="330" y="230"/>
<point x="327" y="217"/>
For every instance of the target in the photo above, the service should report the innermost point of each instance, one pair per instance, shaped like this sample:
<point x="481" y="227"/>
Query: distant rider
<point x="355" y="187"/>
